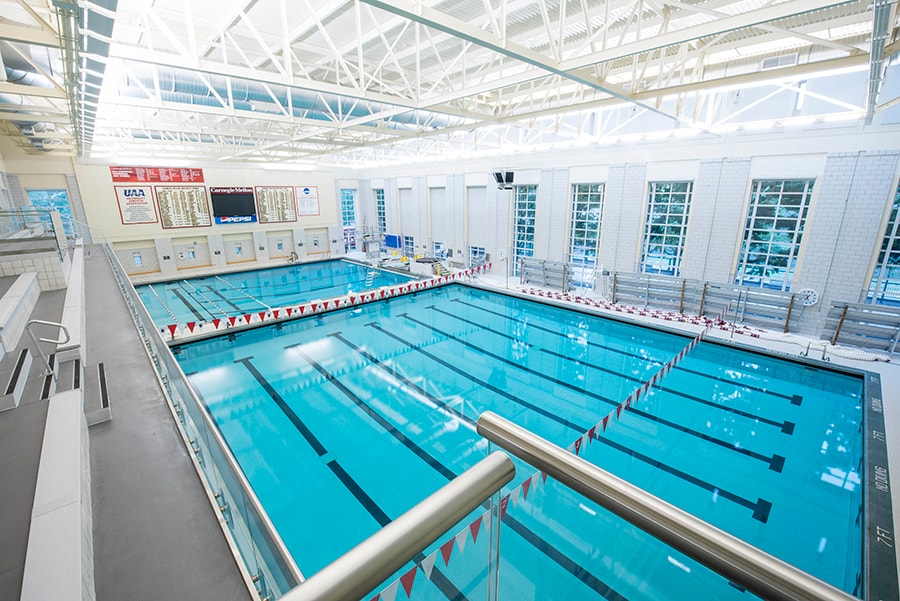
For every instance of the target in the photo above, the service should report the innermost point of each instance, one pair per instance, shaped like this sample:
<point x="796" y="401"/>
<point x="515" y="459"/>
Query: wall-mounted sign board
<point x="161" y="175"/>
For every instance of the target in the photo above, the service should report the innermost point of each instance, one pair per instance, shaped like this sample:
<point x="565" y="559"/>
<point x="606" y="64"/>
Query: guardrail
<point x="267" y="564"/>
<point x="35" y="340"/>
<point x="375" y="559"/>
<point x="745" y="565"/>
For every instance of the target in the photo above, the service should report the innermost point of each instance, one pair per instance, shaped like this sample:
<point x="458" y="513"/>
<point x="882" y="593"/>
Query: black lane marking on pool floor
<point x="188" y="304"/>
<point x="786" y="427"/>
<point x="406" y="381"/>
<point x="761" y="508"/>
<point x="560" y="558"/>
<point x="224" y="298"/>
<point x="540" y="544"/>
<point x="775" y="462"/>
<point x="440" y="580"/>
<point x="795" y="399"/>
<point x="579" y="428"/>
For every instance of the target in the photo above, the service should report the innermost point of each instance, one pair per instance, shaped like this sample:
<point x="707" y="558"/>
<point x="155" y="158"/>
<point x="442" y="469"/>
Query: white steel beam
<point x="442" y="22"/>
<point x="28" y="35"/>
<point x="740" y="21"/>
<point x="23" y="90"/>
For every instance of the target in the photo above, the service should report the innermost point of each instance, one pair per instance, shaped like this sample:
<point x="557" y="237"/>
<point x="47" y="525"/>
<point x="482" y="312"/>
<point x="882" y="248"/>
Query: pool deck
<point x="156" y="535"/>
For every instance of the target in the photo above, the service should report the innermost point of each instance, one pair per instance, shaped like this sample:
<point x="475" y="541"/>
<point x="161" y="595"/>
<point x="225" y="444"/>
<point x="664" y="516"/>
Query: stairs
<point x="440" y="269"/>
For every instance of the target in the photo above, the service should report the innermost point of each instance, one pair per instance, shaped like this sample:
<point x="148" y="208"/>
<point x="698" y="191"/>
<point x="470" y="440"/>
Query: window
<point x="54" y="200"/>
<point x="884" y="288"/>
<point x="137" y="258"/>
<point x="380" y="212"/>
<point x="348" y="207"/>
<point x="477" y="256"/>
<point x="409" y="247"/>
<point x="524" y="211"/>
<point x="665" y="227"/>
<point x="439" y="250"/>
<point x="584" y="230"/>
<point x="774" y="231"/>
<point x="348" y="217"/>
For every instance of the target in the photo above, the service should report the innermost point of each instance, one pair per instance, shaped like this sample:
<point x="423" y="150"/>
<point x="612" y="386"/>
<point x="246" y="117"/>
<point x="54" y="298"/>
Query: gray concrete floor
<point x="6" y="283"/>
<point x="156" y="535"/>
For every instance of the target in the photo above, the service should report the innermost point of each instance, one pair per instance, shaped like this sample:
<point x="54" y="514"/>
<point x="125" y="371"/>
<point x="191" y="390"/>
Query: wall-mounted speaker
<point x="504" y="179"/>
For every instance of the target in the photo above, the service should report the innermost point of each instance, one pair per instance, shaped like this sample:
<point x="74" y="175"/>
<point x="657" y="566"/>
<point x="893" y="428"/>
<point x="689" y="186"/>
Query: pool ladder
<point x="370" y="276"/>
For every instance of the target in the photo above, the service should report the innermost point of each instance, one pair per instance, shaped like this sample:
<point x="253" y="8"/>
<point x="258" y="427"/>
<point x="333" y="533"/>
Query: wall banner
<point x="276" y="204"/>
<point x="175" y="175"/>
<point x="183" y="206"/>
<point x="136" y="204"/>
<point x="307" y="200"/>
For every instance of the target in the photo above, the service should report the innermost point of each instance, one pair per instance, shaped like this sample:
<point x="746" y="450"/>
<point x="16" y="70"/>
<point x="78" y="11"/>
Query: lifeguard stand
<point x="371" y="243"/>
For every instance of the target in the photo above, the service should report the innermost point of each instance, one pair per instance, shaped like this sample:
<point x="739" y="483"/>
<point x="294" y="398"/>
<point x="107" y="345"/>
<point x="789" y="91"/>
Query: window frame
<point x="886" y="272"/>
<point x="761" y="231"/>
<point x="524" y="217"/>
<point x="585" y="223"/>
<point x="662" y="214"/>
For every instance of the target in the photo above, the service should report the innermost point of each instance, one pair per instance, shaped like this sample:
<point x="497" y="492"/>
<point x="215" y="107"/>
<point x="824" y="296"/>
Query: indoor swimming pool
<point x="343" y="421"/>
<point x="218" y="296"/>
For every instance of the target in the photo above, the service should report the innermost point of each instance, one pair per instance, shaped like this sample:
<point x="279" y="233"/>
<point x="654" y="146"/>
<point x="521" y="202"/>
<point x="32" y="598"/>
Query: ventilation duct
<point x="30" y="123"/>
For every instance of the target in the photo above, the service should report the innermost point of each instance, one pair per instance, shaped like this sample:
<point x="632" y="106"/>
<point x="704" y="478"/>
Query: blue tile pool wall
<point x="400" y="383"/>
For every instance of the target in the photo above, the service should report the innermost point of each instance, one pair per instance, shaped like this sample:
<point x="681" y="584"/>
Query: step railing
<point x="745" y="565"/>
<point x="50" y="371"/>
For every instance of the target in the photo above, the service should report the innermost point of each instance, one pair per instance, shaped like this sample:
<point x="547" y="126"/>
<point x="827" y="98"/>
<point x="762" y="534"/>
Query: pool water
<point x="216" y="297"/>
<point x="343" y="421"/>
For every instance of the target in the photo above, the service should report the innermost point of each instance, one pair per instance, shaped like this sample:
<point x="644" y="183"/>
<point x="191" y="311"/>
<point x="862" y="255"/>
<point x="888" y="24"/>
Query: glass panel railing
<point x="28" y="223"/>
<point x="418" y="554"/>
<point x="264" y="555"/>
<point x="461" y="564"/>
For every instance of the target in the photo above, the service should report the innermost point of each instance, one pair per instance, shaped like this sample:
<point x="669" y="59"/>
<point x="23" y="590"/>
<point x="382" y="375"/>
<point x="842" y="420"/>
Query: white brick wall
<point x="553" y="208"/>
<point x="844" y="229"/>
<point x="623" y="208"/>
<point x="716" y="220"/>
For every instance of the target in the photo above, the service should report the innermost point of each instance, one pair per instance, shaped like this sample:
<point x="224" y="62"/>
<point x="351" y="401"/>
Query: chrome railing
<point x="740" y="562"/>
<point x="34" y="339"/>
<point x="267" y="561"/>
<point x="370" y="563"/>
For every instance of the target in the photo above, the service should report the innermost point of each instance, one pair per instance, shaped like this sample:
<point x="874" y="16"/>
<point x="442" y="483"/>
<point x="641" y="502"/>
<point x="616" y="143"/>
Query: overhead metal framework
<point x="362" y="82"/>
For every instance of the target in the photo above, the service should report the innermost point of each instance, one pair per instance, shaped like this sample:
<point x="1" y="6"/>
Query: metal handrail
<point x="36" y="340"/>
<point x="740" y="562"/>
<point x="375" y="559"/>
<point x="140" y="313"/>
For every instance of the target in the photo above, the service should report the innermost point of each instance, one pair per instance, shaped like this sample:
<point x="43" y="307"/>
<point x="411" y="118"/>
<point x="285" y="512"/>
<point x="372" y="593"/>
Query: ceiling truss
<point x="359" y="82"/>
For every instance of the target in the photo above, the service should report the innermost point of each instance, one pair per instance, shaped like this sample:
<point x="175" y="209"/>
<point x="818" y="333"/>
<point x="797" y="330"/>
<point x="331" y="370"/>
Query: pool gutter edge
<point x="880" y="554"/>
